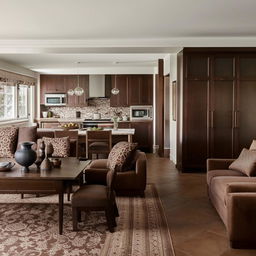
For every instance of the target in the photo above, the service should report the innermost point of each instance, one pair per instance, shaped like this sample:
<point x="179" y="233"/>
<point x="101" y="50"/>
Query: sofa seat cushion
<point x="8" y="141"/>
<point x="216" y="173"/>
<point x="90" y="196"/>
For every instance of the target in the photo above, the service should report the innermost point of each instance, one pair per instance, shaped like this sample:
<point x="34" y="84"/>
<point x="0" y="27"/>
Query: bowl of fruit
<point x="69" y="126"/>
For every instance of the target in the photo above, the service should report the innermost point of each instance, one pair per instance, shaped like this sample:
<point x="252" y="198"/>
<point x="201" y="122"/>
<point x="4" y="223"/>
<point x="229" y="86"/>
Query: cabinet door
<point x="84" y="83"/>
<point x="221" y="119"/>
<point x="143" y="135"/>
<point x="146" y="90"/>
<point x="245" y="121"/>
<point x="71" y="83"/>
<point x="134" y="82"/>
<point x="124" y="125"/>
<point x="121" y="99"/>
<point x="197" y="67"/>
<point x="195" y="150"/>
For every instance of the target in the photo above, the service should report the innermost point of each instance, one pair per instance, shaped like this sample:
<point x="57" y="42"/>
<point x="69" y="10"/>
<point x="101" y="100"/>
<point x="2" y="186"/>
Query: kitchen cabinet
<point x="121" y="99"/>
<point x="217" y="119"/>
<point x="51" y="84"/>
<point x="133" y="90"/>
<point x="140" y="90"/>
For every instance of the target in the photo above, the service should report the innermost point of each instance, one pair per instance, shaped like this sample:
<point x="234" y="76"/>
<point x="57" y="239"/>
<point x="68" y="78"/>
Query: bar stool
<point x="98" y="142"/>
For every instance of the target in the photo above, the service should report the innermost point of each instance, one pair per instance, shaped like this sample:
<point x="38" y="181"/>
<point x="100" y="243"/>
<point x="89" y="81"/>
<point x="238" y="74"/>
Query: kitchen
<point x="127" y="99"/>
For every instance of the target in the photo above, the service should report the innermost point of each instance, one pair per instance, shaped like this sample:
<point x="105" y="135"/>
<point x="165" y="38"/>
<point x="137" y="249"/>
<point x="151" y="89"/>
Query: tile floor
<point x="195" y="226"/>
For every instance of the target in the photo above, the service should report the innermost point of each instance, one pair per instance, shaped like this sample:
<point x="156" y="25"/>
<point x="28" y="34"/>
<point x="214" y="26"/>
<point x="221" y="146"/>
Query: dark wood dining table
<point x="55" y="181"/>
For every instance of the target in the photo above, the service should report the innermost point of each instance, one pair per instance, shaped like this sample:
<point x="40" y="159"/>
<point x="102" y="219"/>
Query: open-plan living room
<point x="127" y="128"/>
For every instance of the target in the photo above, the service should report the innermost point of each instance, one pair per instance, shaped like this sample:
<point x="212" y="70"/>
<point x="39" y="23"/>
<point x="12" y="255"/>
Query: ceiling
<point x="49" y="36"/>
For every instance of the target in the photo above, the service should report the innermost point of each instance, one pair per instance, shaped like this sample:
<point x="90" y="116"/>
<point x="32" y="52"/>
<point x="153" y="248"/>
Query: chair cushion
<point x="90" y="196"/>
<point x="61" y="146"/>
<point x="8" y="141"/>
<point x="245" y="163"/>
<point x="216" y="173"/>
<point x="27" y="134"/>
<point x="99" y="146"/>
<point x="120" y="154"/>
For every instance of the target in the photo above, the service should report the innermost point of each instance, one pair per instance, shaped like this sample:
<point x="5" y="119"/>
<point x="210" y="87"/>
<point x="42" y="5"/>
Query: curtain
<point x="10" y="78"/>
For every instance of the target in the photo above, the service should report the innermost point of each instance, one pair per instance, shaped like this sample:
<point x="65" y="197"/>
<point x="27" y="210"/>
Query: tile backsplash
<point x="101" y="106"/>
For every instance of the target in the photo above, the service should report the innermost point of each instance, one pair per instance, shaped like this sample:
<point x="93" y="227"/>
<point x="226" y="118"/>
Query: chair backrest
<point x="99" y="135"/>
<point x="71" y="134"/>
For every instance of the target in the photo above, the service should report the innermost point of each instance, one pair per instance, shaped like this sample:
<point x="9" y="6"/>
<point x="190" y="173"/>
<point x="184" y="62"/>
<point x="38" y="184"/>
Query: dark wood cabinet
<point x="133" y="90"/>
<point x="51" y="84"/>
<point x="61" y="84"/>
<point x="121" y="99"/>
<point x="143" y="135"/>
<point x="218" y="115"/>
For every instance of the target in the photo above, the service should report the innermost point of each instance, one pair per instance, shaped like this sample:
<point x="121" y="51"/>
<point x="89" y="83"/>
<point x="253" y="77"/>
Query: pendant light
<point x="115" y="90"/>
<point x="78" y="91"/>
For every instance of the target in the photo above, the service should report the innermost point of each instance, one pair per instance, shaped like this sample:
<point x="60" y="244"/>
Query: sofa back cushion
<point x="245" y="163"/>
<point x="121" y="156"/>
<point x="27" y="134"/>
<point x="61" y="146"/>
<point x="8" y="141"/>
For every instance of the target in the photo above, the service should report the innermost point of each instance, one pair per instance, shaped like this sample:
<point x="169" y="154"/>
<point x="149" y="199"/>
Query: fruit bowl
<point x="69" y="126"/>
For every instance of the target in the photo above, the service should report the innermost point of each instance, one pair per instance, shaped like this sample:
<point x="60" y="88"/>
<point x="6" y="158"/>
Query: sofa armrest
<point x="239" y="187"/>
<point x="241" y="224"/>
<point x="218" y="164"/>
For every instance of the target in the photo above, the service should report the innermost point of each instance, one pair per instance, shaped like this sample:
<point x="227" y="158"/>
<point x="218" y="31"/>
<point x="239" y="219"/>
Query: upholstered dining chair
<point x="98" y="142"/>
<point x="73" y="137"/>
<point x="96" y="197"/>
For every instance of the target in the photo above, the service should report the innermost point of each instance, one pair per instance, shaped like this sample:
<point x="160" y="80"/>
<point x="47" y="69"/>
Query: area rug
<point x="30" y="228"/>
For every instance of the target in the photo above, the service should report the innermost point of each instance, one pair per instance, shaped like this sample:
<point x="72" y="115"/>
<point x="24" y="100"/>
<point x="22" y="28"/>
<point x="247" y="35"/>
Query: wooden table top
<point x="70" y="168"/>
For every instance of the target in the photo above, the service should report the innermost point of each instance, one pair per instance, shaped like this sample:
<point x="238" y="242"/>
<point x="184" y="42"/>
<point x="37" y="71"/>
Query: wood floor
<point x="195" y="226"/>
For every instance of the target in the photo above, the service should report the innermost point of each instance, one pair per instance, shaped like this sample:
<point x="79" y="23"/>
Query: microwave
<point x="55" y="99"/>
<point x="141" y="113"/>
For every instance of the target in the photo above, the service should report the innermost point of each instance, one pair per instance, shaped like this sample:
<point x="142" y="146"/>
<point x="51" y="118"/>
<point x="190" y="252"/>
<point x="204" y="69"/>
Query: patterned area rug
<point x="31" y="228"/>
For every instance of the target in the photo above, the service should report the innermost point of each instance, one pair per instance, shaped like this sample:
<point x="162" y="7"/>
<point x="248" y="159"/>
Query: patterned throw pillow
<point x="8" y="141"/>
<point x="61" y="146"/>
<point x="119" y="154"/>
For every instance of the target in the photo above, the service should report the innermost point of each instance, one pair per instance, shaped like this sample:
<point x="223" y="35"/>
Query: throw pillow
<point x="245" y="163"/>
<point x="253" y="145"/>
<point x="61" y="146"/>
<point x="120" y="154"/>
<point x="8" y="140"/>
<point x="27" y="134"/>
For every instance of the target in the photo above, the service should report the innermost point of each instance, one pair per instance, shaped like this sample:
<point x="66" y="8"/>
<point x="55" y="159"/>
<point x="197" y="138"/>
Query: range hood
<point x="97" y="86"/>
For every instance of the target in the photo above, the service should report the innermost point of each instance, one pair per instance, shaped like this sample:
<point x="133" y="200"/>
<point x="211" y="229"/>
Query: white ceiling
<point x="51" y="36"/>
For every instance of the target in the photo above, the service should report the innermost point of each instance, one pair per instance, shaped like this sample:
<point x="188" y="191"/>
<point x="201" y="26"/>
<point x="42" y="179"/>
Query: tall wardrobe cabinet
<point x="216" y="105"/>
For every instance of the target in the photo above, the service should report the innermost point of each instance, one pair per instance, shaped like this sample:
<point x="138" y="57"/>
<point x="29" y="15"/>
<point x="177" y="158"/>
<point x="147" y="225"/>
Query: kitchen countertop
<point x="80" y="120"/>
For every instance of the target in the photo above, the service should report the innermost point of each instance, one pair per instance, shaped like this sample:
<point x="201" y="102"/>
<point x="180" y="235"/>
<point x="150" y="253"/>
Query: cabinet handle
<point x="236" y="119"/>
<point x="212" y="119"/>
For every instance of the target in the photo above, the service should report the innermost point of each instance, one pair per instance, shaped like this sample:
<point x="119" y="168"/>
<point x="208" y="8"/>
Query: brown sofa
<point x="233" y="194"/>
<point x="132" y="182"/>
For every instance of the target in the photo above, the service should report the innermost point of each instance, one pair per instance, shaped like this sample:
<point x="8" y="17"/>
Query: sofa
<point x="233" y="194"/>
<point x="129" y="182"/>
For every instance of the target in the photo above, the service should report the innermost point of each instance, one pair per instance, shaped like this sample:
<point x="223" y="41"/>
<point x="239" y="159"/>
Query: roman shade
<point x="10" y="78"/>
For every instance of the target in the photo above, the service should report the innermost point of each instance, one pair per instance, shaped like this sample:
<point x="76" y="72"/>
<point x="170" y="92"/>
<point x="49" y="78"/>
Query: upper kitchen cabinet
<point x="71" y="82"/>
<point x="121" y="99"/>
<point x="51" y="84"/>
<point x="140" y="89"/>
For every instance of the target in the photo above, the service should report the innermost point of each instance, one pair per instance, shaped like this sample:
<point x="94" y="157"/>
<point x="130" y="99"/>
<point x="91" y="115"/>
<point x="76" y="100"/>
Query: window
<point x="13" y="102"/>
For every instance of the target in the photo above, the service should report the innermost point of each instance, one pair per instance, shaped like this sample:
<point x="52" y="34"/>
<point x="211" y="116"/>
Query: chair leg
<point x="21" y="196"/>
<point x="79" y="218"/>
<point x="110" y="219"/>
<point x="116" y="210"/>
<point x="74" y="218"/>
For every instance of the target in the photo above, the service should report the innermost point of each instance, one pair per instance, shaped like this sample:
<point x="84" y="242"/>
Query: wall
<point x="101" y="106"/>
<point x="173" y="124"/>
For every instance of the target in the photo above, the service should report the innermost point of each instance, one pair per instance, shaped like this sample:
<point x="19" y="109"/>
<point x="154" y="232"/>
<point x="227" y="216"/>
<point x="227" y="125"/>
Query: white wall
<point x="173" y="124"/>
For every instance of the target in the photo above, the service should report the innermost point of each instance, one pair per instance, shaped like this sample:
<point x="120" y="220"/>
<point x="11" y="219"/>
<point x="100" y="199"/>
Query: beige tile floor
<point x="195" y="226"/>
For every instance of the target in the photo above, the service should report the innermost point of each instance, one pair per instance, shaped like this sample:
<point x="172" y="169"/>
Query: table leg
<point x="61" y="195"/>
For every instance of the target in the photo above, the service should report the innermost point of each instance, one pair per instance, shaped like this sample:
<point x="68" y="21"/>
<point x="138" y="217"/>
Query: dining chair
<point x="73" y="137"/>
<point x="98" y="142"/>
<point x="96" y="197"/>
